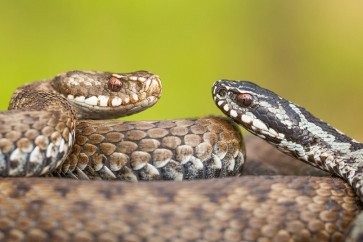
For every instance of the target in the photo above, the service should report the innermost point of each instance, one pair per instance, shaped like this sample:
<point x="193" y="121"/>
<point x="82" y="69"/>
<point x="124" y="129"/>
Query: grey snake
<point x="45" y="121"/>
<point x="292" y="130"/>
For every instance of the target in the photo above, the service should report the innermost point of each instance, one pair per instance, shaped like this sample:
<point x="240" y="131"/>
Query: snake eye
<point x="114" y="84"/>
<point x="244" y="99"/>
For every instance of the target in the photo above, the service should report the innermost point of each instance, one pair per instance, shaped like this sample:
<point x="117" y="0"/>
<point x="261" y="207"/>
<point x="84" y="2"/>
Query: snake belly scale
<point x="250" y="208"/>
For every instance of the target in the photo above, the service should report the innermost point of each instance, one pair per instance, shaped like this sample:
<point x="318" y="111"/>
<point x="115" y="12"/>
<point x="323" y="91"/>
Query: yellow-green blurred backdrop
<point x="310" y="52"/>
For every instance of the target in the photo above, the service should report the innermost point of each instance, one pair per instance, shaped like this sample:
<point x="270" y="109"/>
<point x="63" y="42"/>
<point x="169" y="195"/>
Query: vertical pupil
<point x="244" y="99"/>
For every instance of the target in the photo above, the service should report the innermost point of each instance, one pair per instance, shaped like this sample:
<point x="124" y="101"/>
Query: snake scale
<point x="45" y="121"/>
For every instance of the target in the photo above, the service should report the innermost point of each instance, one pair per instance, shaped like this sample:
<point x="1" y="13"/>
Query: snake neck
<point x="317" y="143"/>
<point x="40" y="96"/>
<point x="329" y="150"/>
<point x="292" y="129"/>
<point x="37" y="131"/>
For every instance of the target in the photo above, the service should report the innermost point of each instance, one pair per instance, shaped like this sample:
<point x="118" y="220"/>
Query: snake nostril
<point x="114" y="84"/>
<point x="222" y="92"/>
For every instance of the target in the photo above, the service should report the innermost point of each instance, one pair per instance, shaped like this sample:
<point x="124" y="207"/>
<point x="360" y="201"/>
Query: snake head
<point x="258" y="110"/>
<point x="101" y="95"/>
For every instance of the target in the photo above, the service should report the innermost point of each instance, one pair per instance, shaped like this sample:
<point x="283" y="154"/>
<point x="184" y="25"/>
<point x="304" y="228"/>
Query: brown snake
<point x="248" y="208"/>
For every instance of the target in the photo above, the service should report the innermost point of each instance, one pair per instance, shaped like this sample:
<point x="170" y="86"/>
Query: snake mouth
<point x="150" y="93"/>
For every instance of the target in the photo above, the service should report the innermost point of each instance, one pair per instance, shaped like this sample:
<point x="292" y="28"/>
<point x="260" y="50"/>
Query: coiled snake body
<point x="37" y="136"/>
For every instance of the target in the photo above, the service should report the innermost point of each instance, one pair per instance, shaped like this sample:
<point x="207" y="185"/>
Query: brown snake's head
<point x="102" y="95"/>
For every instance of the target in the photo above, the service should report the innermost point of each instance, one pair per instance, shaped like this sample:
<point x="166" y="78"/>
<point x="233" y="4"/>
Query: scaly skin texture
<point x="268" y="208"/>
<point x="38" y="132"/>
<point x="232" y="209"/>
<point x="155" y="150"/>
<point x="264" y="159"/>
<point x="294" y="131"/>
<point x="48" y="112"/>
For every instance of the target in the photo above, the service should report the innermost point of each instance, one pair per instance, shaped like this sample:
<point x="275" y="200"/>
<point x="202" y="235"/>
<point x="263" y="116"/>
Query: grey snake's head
<point x="259" y="110"/>
<point x="100" y="95"/>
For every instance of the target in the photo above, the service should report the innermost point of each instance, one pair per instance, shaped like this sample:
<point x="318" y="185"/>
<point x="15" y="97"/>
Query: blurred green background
<point x="310" y="52"/>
